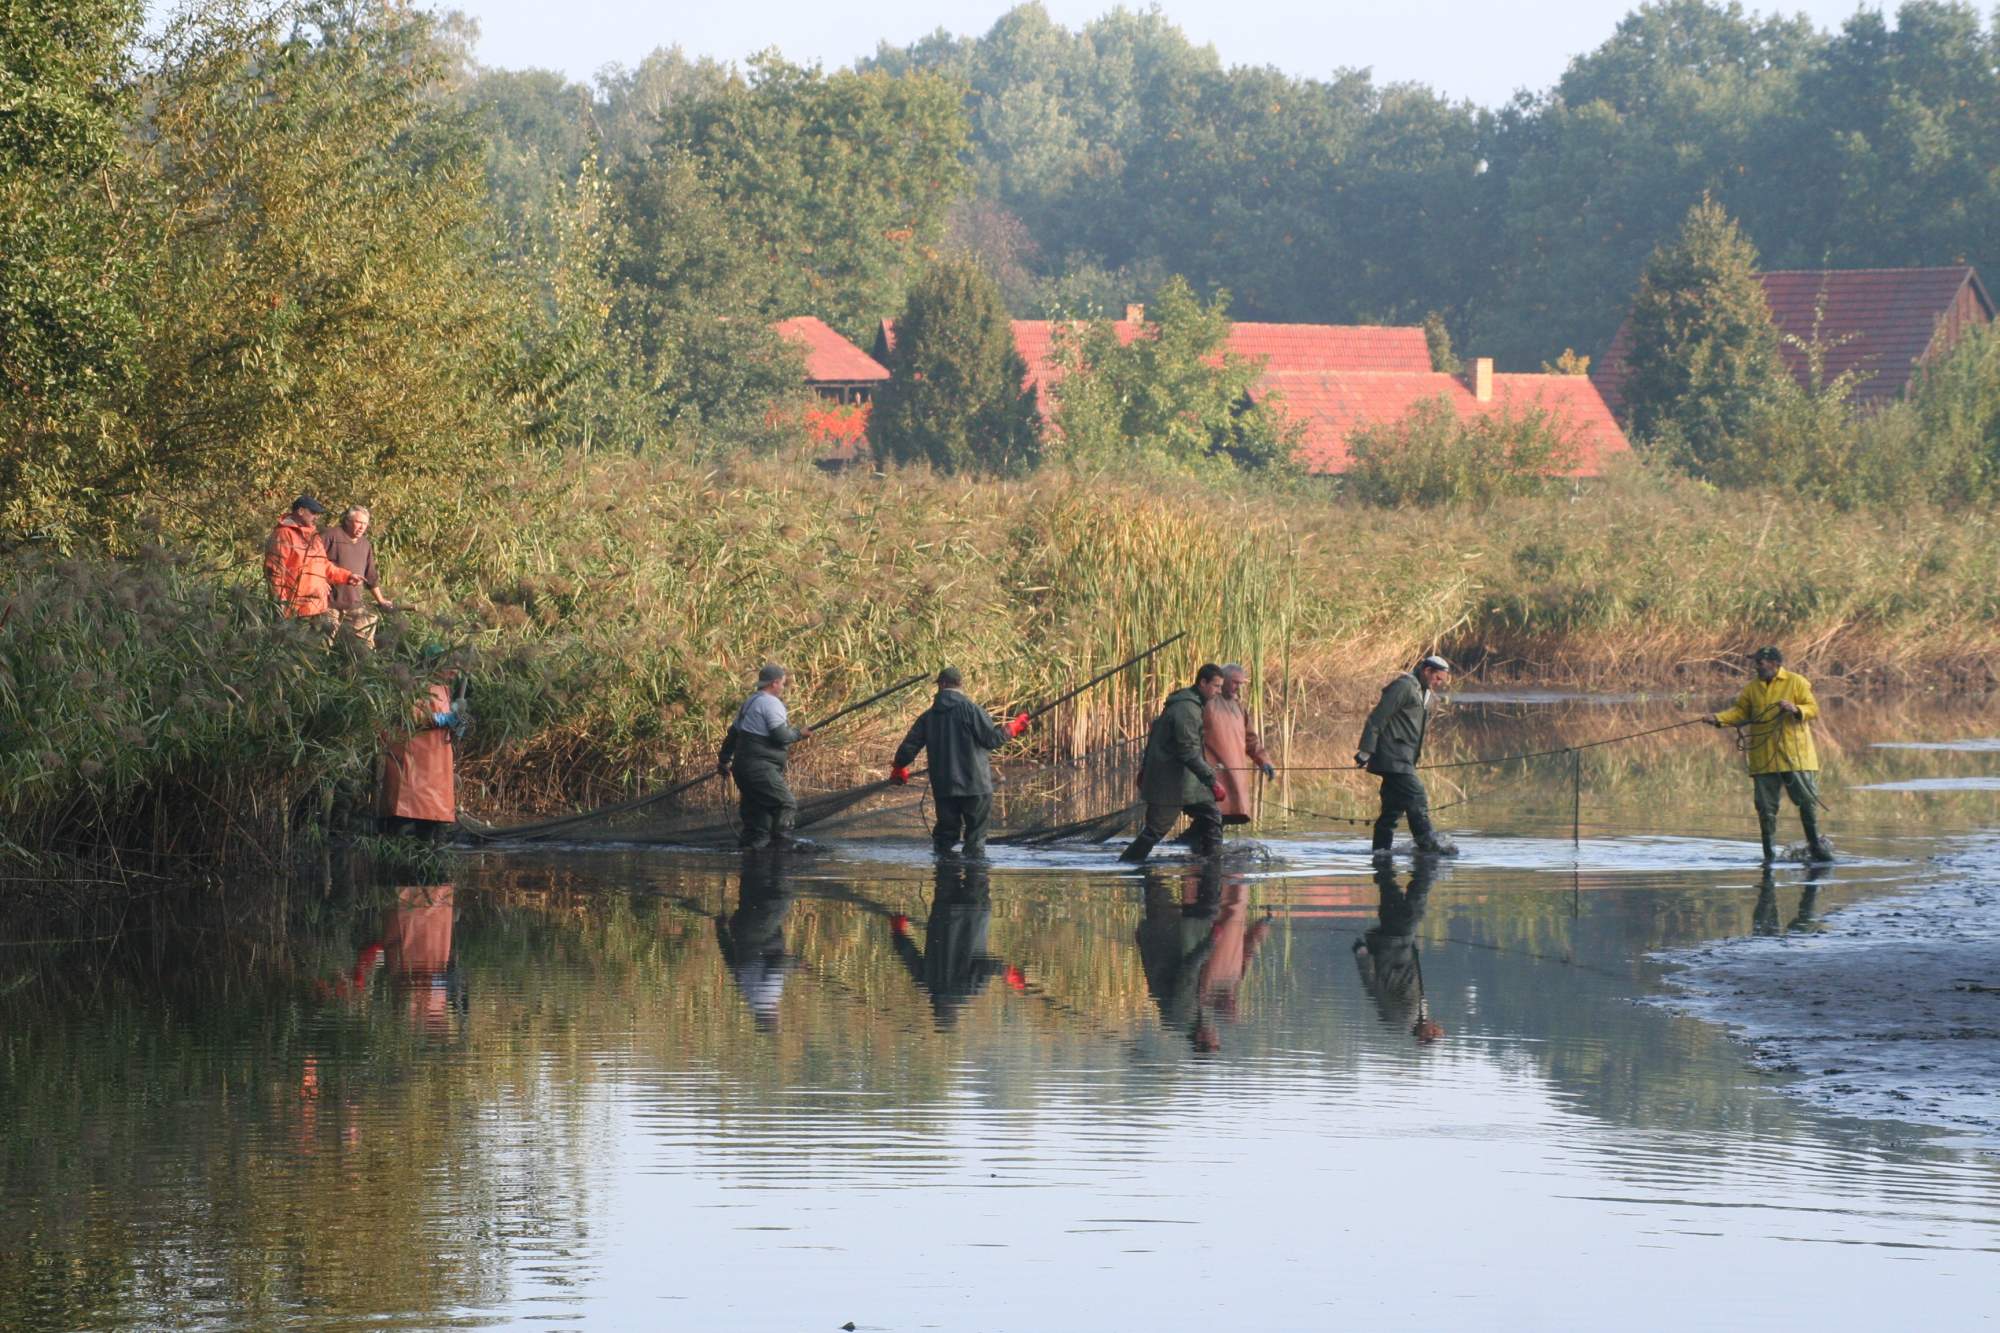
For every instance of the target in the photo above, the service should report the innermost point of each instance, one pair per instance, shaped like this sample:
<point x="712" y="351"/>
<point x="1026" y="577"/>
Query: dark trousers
<point x="765" y="806"/>
<point x="962" y="817"/>
<point x="1206" y="817"/>
<point x="1403" y="794"/>
<point x="1768" y="789"/>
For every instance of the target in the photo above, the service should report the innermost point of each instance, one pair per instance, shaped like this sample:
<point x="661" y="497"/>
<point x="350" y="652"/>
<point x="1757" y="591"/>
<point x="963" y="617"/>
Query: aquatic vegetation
<point x="611" y="610"/>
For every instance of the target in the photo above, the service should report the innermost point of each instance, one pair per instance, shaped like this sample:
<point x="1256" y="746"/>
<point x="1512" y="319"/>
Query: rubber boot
<point x="1816" y="846"/>
<point x="1140" y="848"/>
<point x="1767" y="827"/>
<point x="1436" y="844"/>
<point x="1207" y="838"/>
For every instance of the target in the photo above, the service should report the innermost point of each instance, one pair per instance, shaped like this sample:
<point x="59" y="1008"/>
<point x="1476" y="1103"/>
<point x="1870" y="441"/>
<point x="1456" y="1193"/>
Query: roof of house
<point x="1337" y="377"/>
<point x="830" y="358"/>
<point x="1282" y="347"/>
<point x="1880" y="323"/>
<point x="1333" y="404"/>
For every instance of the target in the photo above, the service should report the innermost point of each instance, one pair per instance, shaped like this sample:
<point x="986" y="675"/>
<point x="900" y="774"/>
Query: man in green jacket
<point x="1392" y="744"/>
<point x="1776" y="711"/>
<point x="755" y="752"/>
<point x="958" y="734"/>
<point x="1174" y="778"/>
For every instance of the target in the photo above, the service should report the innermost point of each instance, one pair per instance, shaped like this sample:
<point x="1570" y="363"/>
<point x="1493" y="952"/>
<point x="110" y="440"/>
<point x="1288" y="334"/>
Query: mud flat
<point x="1888" y="1009"/>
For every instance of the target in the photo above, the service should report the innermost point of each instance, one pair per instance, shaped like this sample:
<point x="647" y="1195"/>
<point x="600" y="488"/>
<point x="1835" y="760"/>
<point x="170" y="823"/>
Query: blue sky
<point x="1481" y="49"/>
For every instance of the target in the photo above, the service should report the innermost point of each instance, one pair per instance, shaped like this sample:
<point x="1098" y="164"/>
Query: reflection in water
<point x="604" y="1140"/>
<point x="1765" y="917"/>
<point x="1195" y="944"/>
<point x="954" y="964"/>
<point x="412" y="952"/>
<point x="1392" y="970"/>
<point x="753" y="937"/>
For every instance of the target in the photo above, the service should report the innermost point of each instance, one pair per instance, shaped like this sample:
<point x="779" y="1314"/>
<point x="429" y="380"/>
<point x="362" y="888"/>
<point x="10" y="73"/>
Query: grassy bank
<point x="612" y="609"/>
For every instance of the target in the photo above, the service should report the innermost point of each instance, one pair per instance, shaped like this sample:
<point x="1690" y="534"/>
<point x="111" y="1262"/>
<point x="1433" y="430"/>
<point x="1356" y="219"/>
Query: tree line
<point x="252" y="235"/>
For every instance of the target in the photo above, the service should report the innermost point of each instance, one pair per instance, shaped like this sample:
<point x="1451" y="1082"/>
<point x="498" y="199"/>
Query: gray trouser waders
<point x="1769" y="788"/>
<point x="766" y="806"/>
<point x="962" y="817"/>
<point x="1403" y="794"/>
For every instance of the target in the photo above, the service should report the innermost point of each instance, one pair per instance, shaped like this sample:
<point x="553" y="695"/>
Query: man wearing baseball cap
<point x="1775" y="712"/>
<point x="1392" y="744"/>
<point x="296" y="564"/>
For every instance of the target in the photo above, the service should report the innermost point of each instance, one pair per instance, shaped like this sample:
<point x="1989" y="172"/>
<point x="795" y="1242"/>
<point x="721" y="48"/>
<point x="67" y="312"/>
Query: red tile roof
<point x="830" y="358"/>
<point x="1879" y="322"/>
<point x="1333" y="404"/>
<point x="1336" y="377"/>
<point x="1282" y="347"/>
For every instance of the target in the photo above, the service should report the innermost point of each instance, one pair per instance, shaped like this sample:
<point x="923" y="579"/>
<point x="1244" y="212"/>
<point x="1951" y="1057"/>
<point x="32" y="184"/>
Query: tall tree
<point x="66" y="303"/>
<point x="1172" y="391"/>
<point x="843" y="182"/>
<point x="955" y="397"/>
<point x="1704" y="353"/>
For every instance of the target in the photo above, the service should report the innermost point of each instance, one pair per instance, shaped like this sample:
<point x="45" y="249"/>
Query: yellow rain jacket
<point x="1779" y="742"/>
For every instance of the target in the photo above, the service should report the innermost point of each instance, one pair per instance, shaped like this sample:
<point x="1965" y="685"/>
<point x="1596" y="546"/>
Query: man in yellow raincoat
<point x="1776" y="712"/>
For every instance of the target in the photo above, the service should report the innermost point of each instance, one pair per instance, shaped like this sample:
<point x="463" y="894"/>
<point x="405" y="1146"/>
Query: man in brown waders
<point x="1232" y="747"/>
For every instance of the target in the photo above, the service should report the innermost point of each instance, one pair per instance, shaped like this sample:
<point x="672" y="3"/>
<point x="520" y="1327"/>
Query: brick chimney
<point x="1480" y="379"/>
<point x="1135" y="314"/>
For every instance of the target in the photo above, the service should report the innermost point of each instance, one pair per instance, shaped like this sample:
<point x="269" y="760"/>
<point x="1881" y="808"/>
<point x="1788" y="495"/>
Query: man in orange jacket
<point x="296" y="563"/>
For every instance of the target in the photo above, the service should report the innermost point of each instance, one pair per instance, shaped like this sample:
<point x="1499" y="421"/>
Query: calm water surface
<point x="645" y="1089"/>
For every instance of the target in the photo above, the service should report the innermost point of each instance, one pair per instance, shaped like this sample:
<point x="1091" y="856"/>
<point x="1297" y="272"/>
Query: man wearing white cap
<point x="1392" y="744"/>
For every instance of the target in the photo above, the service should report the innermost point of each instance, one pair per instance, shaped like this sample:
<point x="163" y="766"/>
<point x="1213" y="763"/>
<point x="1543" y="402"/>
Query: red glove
<point x="900" y="776"/>
<point x="1221" y="792"/>
<point x="899" y="925"/>
<point x="1016" y="725"/>
<point x="1015" y="979"/>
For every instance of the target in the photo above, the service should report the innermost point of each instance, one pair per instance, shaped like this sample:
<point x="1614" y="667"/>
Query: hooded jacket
<point x="958" y="734"/>
<point x="296" y="563"/>
<point x="1173" y="771"/>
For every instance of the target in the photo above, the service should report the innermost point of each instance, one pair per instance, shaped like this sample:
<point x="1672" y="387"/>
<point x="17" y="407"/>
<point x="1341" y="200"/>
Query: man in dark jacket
<point x="956" y="962"/>
<point x="755" y="751"/>
<point x="1174" y="777"/>
<point x="958" y="734"/>
<point x="1392" y="744"/>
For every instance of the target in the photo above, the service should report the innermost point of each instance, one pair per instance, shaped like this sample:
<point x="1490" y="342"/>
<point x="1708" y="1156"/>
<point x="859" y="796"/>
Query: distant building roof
<point x="1336" y="377"/>
<point x="830" y="358"/>
<point x="1882" y="323"/>
<point x="1332" y="405"/>
<point x="1282" y="347"/>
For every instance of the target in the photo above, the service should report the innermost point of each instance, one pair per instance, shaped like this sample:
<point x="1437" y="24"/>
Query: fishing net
<point x="1093" y="829"/>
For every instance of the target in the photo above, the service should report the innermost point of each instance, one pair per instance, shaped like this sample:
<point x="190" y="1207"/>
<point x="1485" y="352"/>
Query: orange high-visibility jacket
<point x="296" y="563"/>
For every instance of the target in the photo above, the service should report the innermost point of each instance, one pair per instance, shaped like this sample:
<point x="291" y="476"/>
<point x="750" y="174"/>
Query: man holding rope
<point x="1392" y="743"/>
<point x="958" y="734"/>
<point x="1778" y="708"/>
<point x="754" y="752"/>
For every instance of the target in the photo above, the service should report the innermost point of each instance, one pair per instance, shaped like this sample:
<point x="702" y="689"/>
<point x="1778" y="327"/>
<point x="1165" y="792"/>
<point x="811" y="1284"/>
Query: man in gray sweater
<point x="754" y="753"/>
<point x="1392" y="745"/>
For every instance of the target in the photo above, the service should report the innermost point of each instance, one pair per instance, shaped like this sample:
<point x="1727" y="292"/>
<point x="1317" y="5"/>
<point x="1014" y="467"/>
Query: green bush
<point x="147" y="705"/>
<point x="1432" y="457"/>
